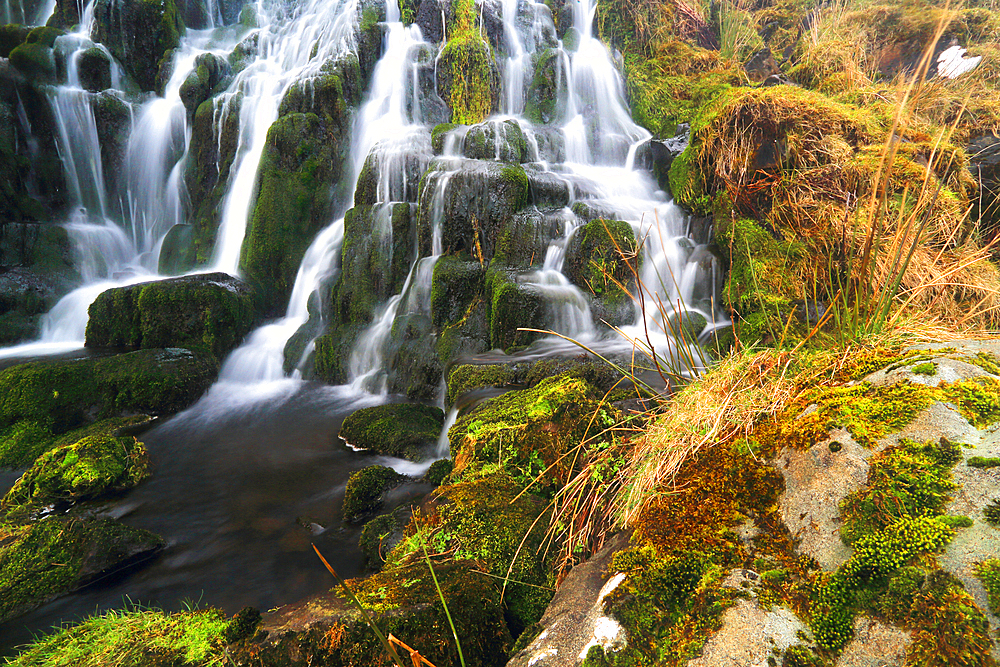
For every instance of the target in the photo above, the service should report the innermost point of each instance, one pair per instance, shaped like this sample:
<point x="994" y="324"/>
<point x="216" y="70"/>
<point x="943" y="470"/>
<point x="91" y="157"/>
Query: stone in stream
<point x="403" y="430"/>
<point x="365" y="491"/>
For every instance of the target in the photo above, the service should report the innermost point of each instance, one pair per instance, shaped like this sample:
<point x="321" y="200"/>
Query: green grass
<point x="136" y="638"/>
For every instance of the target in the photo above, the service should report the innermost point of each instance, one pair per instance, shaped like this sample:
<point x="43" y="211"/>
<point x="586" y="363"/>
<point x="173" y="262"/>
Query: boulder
<point x="545" y="101"/>
<point x="467" y="76"/>
<point x="177" y="254"/>
<point x="211" y="72"/>
<point x="496" y="140"/>
<point x="603" y="259"/>
<point x="94" y="69"/>
<point x="60" y="554"/>
<point x="12" y="35"/>
<point x="138" y="34"/>
<point x="455" y="284"/>
<point x="403" y="430"/>
<point x="92" y="467"/>
<point x="512" y="306"/>
<point x="208" y="312"/>
<point x="366" y="491"/>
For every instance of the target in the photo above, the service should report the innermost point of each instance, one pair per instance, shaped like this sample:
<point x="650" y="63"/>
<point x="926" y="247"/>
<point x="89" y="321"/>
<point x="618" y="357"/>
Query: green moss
<point x="55" y="554"/>
<point x="64" y="395"/>
<point x="926" y="368"/>
<point x="671" y="600"/>
<point x="868" y="412"/>
<point x="489" y="521"/>
<point x="364" y="491"/>
<point x="375" y="539"/>
<point x="439" y="134"/>
<point x="907" y="480"/>
<point x="526" y="433"/>
<point x="12" y="35"/>
<point x="468" y="60"/>
<point x="512" y="306"/>
<point x="983" y="462"/>
<point x="403" y="430"/>
<point x="25" y="441"/>
<point x="438" y="472"/>
<point x="467" y="377"/>
<point x="875" y="559"/>
<point x="977" y="399"/>
<point x="545" y="101"/>
<point x="94" y="466"/>
<point x="454" y="286"/>
<point x="138" y="638"/>
<point x="603" y="258"/>
<point x="36" y="61"/>
<point x="992" y="512"/>
<point x="988" y="572"/>
<point x="210" y="313"/>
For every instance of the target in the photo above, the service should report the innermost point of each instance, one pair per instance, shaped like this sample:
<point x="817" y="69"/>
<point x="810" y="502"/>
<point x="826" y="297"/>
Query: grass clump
<point x="983" y="462"/>
<point x="135" y="638"/>
<point x="992" y="512"/>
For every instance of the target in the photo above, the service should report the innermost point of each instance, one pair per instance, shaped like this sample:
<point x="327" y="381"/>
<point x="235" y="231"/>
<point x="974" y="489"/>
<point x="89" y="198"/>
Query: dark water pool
<point x="242" y="484"/>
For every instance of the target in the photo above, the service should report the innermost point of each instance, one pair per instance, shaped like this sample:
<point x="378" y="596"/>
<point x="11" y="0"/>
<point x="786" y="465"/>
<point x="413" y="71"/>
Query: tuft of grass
<point x="134" y="638"/>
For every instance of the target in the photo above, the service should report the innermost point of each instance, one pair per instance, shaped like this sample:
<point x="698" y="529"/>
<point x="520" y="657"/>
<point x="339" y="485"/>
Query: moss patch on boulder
<point x="603" y="259"/>
<point x="365" y="490"/>
<point x="53" y="397"/>
<point x="210" y="313"/>
<point x="467" y="75"/>
<point x="57" y="555"/>
<point x="94" y="466"/>
<point x="404" y="430"/>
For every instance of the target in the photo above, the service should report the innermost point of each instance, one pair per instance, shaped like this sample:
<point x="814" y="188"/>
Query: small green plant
<point x="988" y="572"/>
<point x="983" y="462"/>
<point x="992" y="512"/>
<point x="928" y="368"/>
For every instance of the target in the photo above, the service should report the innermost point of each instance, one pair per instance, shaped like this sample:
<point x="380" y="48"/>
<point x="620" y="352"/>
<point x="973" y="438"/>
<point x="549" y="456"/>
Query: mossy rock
<point x="438" y="472"/>
<point x="299" y="179"/>
<point x="12" y="35"/>
<point x="490" y="521"/>
<point x="439" y="135"/>
<point x="511" y="307"/>
<point x="210" y="72"/>
<point x="389" y="175"/>
<point x="23" y="442"/>
<point x="91" y="467"/>
<point x="466" y="377"/>
<point x="377" y="252"/>
<point x="496" y="140"/>
<point x="94" y="69"/>
<point x="138" y="34"/>
<point x="403" y="430"/>
<point x="467" y="76"/>
<point x="603" y="259"/>
<point x="365" y="491"/>
<point x="208" y="312"/>
<point x="524" y="238"/>
<point x="177" y="253"/>
<point x="215" y="133"/>
<point x="378" y="537"/>
<point x="478" y="202"/>
<point x="455" y="284"/>
<point x="333" y="352"/>
<point x="36" y="61"/>
<point x="58" y="396"/>
<point x="57" y="555"/>
<point x="545" y="101"/>
<point x="528" y="432"/>
<point x="328" y="629"/>
<point x="414" y="367"/>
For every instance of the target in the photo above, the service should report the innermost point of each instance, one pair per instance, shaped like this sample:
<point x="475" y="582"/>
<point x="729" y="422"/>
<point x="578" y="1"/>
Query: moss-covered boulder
<point x="94" y="69"/>
<point x="476" y="202"/>
<point x="210" y="72"/>
<point x="414" y="367"/>
<point x="59" y="554"/>
<point x="497" y="140"/>
<point x="527" y="432"/>
<point x="365" y="491"/>
<point x="545" y="101"/>
<point x="138" y="34"/>
<point x="93" y="466"/>
<point x="603" y="260"/>
<point x="12" y="35"/>
<point x="404" y="430"/>
<point x="22" y="443"/>
<point x="36" y="61"/>
<point x="467" y="75"/>
<point x="328" y="629"/>
<point x="455" y="284"/>
<point x="299" y="179"/>
<point x="215" y="133"/>
<point x="388" y="176"/>
<point x="511" y="307"/>
<point x="177" y="251"/>
<point x="208" y="312"/>
<point x="47" y="398"/>
<point x="488" y="520"/>
<point x="376" y="256"/>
